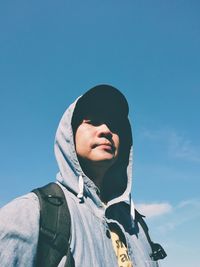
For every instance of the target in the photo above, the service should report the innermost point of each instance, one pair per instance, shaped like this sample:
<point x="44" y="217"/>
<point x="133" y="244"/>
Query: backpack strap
<point x="55" y="227"/>
<point x="158" y="251"/>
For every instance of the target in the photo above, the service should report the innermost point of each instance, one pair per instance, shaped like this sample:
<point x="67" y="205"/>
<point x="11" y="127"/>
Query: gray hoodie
<point x="90" y="243"/>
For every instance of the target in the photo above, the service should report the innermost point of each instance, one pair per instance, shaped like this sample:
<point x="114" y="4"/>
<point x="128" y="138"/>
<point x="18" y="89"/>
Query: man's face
<point x="97" y="141"/>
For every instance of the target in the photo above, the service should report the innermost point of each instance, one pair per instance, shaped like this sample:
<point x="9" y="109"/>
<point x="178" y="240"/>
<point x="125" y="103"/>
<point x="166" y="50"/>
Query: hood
<point x="118" y="180"/>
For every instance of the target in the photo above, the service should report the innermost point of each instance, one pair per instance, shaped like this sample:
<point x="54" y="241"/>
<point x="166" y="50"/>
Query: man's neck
<point x="94" y="171"/>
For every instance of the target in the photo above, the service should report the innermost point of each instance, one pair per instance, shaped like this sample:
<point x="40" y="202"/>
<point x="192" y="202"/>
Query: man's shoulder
<point x="25" y="201"/>
<point x="20" y="214"/>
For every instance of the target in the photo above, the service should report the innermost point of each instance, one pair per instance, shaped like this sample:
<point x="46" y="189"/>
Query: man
<point x="93" y="149"/>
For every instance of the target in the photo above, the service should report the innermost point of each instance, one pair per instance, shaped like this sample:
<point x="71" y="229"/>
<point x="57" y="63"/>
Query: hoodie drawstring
<point x="132" y="209"/>
<point x="81" y="187"/>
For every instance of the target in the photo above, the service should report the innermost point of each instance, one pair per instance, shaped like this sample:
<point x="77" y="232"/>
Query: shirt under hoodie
<point x="91" y="222"/>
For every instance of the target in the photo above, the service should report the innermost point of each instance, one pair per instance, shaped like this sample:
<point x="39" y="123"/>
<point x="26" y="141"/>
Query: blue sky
<point x="53" y="51"/>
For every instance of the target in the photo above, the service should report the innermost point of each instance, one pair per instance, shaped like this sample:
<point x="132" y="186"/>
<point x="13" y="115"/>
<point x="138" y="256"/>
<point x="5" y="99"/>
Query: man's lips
<point x="107" y="146"/>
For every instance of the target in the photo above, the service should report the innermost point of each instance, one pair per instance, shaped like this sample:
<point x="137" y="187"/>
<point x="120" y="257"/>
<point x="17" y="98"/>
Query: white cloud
<point x="184" y="211"/>
<point x="191" y="202"/>
<point x="177" y="145"/>
<point x="154" y="209"/>
<point x="182" y="214"/>
<point x="183" y="148"/>
<point x="149" y="134"/>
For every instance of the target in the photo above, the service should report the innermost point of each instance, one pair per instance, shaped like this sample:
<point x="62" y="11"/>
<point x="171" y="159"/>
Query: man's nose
<point x="104" y="131"/>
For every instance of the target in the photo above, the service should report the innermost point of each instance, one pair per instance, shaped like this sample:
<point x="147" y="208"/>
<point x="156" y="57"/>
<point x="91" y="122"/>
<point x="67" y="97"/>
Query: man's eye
<point x="93" y="122"/>
<point x="96" y="122"/>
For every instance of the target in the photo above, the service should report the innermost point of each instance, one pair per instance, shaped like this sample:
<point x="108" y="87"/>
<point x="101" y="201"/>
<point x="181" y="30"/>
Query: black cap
<point x="103" y="101"/>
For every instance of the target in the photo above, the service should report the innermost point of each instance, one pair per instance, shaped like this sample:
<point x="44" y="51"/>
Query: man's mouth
<point x="106" y="146"/>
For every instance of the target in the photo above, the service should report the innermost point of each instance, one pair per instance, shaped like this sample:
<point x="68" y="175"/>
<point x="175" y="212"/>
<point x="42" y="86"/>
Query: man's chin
<point x="105" y="161"/>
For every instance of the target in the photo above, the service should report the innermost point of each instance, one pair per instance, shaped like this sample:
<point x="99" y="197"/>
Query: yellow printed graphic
<point x="121" y="251"/>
